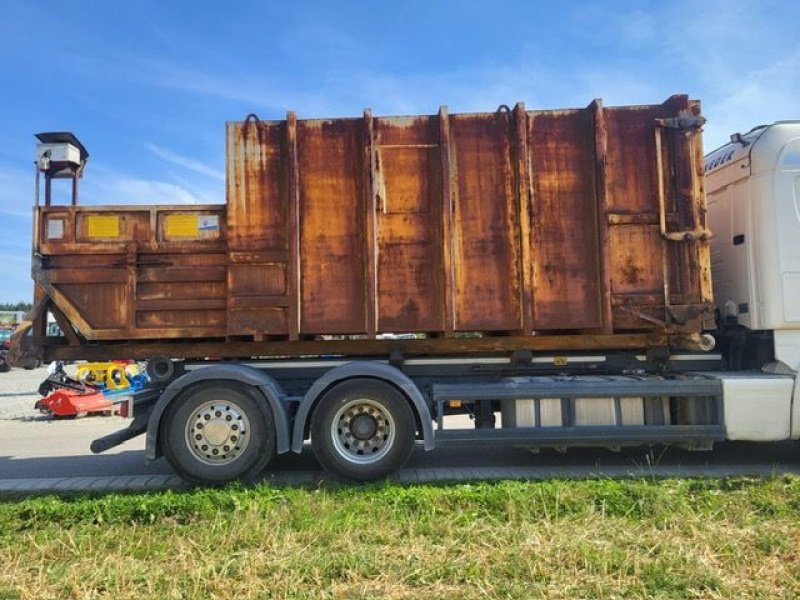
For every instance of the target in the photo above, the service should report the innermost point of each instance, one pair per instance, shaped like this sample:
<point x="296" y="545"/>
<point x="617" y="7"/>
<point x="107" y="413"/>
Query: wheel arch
<point x="261" y="383"/>
<point x="370" y="370"/>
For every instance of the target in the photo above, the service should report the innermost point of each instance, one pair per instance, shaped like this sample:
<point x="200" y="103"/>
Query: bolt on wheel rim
<point x="363" y="431"/>
<point x="217" y="432"/>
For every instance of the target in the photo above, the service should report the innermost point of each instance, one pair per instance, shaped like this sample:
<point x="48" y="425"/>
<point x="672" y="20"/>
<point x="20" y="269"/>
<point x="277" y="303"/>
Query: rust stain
<point x="631" y="271"/>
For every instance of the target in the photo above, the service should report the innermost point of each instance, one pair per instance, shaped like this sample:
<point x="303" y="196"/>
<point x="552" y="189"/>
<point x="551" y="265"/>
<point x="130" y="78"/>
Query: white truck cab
<point x="753" y="191"/>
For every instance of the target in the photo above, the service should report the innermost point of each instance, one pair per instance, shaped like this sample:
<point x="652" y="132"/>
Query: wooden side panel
<point x="408" y="176"/>
<point x="564" y="221"/>
<point x="486" y="249"/>
<point x="332" y="216"/>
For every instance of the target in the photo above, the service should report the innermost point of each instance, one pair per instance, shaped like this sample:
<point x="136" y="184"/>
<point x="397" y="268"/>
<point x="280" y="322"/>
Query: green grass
<point x="556" y="539"/>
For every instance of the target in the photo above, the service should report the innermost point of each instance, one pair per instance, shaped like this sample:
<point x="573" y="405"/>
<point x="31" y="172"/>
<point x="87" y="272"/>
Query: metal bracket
<point x="643" y="316"/>
<point x="687" y="236"/>
<point x="685" y="121"/>
<point x="682" y="313"/>
<point x="521" y="357"/>
<point x="396" y="357"/>
<point x="658" y="358"/>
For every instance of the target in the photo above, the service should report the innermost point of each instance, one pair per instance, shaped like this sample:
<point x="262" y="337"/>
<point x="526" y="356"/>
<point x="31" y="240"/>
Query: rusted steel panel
<point x="332" y="214"/>
<point x="564" y="220"/>
<point x="256" y="208"/>
<point x="408" y="191"/>
<point x="602" y="223"/>
<point x="99" y="303"/>
<point x="521" y="155"/>
<point x="370" y="187"/>
<point x="635" y="248"/>
<point x="293" y="203"/>
<point x="486" y="248"/>
<point x="362" y="347"/>
<point x="447" y="202"/>
<point x="582" y="224"/>
<point x="135" y="272"/>
<point x="258" y="219"/>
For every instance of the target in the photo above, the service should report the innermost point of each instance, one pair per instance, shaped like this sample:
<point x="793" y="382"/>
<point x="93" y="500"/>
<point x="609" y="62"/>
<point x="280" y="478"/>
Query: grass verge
<point x="554" y="539"/>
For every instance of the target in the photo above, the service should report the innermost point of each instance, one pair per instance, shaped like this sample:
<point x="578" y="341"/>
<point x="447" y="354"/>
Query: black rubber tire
<point x="392" y="400"/>
<point x="259" y="451"/>
<point x="4" y="367"/>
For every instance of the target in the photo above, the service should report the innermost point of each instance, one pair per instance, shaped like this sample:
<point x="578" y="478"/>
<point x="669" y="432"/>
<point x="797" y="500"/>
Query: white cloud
<point x="186" y="162"/>
<point x="108" y="186"/>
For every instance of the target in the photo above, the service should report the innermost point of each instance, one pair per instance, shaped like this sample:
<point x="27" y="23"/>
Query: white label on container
<point x="55" y="229"/>
<point x="208" y="223"/>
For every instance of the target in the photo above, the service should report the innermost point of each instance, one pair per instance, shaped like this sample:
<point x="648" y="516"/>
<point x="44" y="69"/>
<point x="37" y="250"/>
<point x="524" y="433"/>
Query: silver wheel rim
<point x="363" y="431"/>
<point x="217" y="432"/>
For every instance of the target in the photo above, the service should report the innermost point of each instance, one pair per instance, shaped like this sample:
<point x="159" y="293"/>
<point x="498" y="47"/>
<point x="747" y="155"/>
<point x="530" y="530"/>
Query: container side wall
<point x="635" y="244"/>
<point x="564" y="221"/>
<point x="485" y="260"/>
<point x="332" y="216"/>
<point x="256" y="206"/>
<point x="408" y="188"/>
<point x="257" y="229"/>
<point x="578" y="221"/>
<point x="136" y="272"/>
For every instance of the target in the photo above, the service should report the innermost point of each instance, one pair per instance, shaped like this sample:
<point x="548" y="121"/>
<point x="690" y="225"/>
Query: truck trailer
<point x="370" y="281"/>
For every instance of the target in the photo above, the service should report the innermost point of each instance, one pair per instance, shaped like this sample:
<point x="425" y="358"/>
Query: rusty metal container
<point x="553" y="229"/>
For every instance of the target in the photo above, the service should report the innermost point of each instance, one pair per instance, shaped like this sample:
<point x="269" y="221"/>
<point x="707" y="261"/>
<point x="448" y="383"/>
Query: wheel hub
<point x="363" y="431"/>
<point x="217" y="432"/>
<point x="364" y="426"/>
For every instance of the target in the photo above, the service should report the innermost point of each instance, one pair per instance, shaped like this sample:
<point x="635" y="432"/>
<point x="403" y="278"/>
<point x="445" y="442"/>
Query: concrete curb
<point x="16" y="488"/>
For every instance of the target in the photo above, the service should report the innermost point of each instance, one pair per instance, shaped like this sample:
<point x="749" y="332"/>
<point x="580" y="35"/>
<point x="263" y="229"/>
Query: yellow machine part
<point x="111" y="374"/>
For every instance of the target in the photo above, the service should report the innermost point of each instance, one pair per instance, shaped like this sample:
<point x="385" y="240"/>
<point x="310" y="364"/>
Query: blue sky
<point x="147" y="85"/>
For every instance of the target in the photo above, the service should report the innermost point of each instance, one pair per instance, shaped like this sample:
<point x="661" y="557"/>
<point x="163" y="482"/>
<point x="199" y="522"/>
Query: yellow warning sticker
<point x="103" y="226"/>
<point x="181" y="226"/>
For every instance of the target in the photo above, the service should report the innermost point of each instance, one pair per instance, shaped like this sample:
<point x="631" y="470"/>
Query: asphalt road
<point x="49" y="449"/>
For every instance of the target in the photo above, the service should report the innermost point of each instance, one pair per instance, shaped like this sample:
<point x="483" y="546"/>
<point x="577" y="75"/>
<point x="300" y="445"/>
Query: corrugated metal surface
<point x="584" y="221"/>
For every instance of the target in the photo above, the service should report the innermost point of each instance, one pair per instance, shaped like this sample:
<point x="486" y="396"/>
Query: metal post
<point x="36" y="185"/>
<point x="47" y="189"/>
<point x="75" y="187"/>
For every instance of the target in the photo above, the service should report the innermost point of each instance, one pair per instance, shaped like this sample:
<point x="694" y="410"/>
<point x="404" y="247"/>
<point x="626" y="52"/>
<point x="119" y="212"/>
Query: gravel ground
<point x="19" y="392"/>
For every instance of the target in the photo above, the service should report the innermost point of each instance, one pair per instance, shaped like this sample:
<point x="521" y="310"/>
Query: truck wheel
<point x="215" y="433"/>
<point x="362" y="429"/>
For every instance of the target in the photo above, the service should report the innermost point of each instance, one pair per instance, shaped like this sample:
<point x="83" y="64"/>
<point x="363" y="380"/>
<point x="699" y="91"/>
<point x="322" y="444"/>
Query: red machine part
<point x="71" y="403"/>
